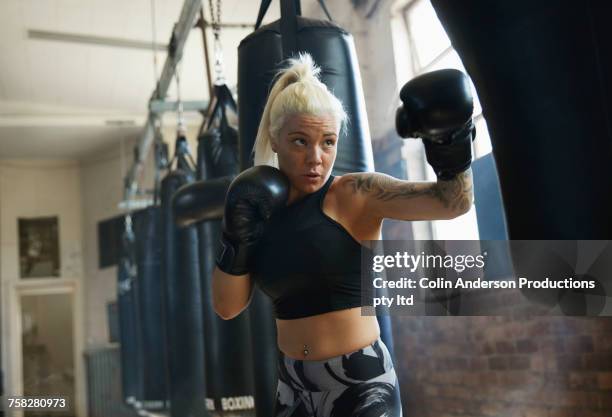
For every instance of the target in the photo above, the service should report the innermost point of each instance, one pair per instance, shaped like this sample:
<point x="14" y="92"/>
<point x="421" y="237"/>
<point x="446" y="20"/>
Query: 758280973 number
<point x="36" y="403"/>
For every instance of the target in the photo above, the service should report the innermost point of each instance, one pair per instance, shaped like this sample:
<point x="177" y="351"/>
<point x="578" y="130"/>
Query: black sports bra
<point x="307" y="262"/>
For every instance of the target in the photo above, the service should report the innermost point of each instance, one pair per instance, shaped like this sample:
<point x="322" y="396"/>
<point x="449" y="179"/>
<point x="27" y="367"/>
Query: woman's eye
<point x="299" y="141"/>
<point x="330" y="142"/>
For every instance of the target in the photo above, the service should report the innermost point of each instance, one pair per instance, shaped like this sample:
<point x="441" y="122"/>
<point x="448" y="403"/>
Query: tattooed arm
<point x="382" y="196"/>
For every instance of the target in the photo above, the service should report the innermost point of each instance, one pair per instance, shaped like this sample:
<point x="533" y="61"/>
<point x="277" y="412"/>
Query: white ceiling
<point x="57" y="97"/>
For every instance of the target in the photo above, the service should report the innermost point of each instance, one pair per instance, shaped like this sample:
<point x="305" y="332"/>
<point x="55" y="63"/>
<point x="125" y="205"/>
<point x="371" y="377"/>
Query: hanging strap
<point x="324" y="7"/>
<point x="290" y="10"/>
<point x="265" y="4"/>
<point x="263" y="8"/>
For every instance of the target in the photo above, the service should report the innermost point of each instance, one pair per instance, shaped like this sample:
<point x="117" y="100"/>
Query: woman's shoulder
<point x="345" y="191"/>
<point x="348" y="205"/>
<point x="351" y="184"/>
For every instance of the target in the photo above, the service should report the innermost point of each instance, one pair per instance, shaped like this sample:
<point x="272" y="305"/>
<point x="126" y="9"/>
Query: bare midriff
<point x="326" y="335"/>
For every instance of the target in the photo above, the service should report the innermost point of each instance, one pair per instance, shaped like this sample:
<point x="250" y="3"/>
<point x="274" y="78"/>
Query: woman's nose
<point x="313" y="156"/>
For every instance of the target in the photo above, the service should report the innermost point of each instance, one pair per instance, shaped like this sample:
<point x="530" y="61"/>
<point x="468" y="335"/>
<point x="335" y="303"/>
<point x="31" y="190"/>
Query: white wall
<point x="37" y="189"/>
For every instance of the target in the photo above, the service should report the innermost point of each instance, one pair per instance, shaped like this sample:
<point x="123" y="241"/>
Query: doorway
<point x="47" y="347"/>
<point x="43" y="352"/>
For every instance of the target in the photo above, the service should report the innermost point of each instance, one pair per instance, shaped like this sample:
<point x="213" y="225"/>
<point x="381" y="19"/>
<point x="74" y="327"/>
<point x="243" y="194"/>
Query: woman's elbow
<point x="230" y="294"/>
<point x="228" y="311"/>
<point x="224" y="312"/>
<point x="462" y="207"/>
<point x="463" y="210"/>
<point x="225" y="316"/>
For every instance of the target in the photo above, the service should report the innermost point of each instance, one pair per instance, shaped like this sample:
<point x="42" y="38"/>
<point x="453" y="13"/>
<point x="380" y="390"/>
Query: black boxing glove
<point x="437" y="107"/>
<point x="252" y="198"/>
<point x="200" y="201"/>
<point x="448" y="159"/>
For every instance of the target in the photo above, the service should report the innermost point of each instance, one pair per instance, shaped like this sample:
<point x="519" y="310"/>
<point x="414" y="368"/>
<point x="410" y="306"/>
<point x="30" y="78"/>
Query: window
<point x="421" y="45"/>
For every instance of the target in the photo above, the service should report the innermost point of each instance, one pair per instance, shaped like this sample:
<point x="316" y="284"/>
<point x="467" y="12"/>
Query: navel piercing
<point x="305" y="350"/>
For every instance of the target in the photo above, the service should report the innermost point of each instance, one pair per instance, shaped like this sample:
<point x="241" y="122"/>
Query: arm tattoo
<point x="455" y="194"/>
<point x="385" y="188"/>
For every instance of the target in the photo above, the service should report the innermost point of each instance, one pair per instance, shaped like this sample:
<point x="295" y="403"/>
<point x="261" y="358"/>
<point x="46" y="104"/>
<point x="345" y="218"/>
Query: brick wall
<point x="504" y="366"/>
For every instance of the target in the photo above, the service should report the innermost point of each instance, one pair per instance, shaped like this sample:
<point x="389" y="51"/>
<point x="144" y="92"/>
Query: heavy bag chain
<point x="218" y="52"/>
<point x="181" y="128"/>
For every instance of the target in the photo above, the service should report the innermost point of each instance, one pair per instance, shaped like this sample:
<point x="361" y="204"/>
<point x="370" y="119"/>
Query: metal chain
<point x="181" y="128"/>
<point x="215" y="20"/>
<point x="218" y="52"/>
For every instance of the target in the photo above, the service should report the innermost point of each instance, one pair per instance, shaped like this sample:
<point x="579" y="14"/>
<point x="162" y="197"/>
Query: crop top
<point x="307" y="262"/>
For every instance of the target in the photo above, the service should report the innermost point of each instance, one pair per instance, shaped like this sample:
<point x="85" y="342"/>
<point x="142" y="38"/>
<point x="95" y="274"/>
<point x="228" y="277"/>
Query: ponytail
<point x="297" y="90"/>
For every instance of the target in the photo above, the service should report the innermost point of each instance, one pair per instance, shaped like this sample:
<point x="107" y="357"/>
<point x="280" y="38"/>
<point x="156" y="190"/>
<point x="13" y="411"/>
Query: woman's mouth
<point x="312" y="177"/>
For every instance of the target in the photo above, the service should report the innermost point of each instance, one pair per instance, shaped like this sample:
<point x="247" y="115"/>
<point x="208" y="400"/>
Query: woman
<point x="304" y="251"/>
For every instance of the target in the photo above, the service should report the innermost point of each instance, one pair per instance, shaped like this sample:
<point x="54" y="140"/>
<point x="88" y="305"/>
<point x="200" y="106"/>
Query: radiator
<point x="104" y="383"/>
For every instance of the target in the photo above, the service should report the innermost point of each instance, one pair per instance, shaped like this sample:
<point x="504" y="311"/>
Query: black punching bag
<point x="260" y="56"/>
<point x="148" y="235"/>
<point x="182" y="308"/>
<point x="543" y="72"/>
<point x="129" y="317"/>
<point x="229" y="371"/>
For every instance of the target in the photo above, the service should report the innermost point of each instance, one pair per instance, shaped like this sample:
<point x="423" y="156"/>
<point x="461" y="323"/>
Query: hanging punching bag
<point x="129" y="319"/>
<point x="543" y="72"/>
<point x="147" y="231"/>
<point x="260" y="56"/>
<point x="229" y="375"/>
<point x="183" y="307"/>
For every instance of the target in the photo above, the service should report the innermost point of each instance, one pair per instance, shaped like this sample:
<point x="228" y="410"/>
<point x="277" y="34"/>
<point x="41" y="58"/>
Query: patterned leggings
<point x="357" y="384"/>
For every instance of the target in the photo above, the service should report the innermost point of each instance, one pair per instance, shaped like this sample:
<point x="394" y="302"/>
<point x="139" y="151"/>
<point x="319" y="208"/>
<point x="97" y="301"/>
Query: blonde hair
<point x="297" y="90"/>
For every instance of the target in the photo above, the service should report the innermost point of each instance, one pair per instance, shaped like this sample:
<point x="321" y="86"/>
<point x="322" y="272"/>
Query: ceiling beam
<point x="94" y="40"/>
<point x="82" y="38"/>
<point x="161" y="106"/>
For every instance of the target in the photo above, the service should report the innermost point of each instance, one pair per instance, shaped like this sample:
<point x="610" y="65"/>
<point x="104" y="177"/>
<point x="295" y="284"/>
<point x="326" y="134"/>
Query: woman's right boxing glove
<point x="252" y="198"/>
